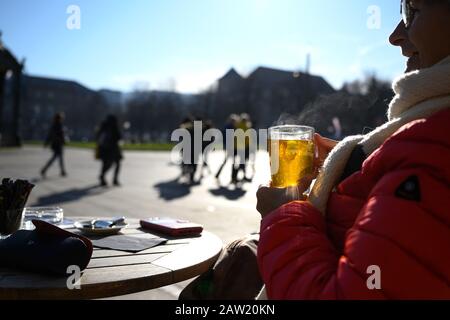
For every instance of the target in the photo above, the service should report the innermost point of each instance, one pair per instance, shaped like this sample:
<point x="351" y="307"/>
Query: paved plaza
<point x="149" y="188"/>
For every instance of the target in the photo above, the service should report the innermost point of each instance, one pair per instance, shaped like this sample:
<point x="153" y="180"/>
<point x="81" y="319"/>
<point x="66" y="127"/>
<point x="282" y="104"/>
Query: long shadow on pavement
<point x="230" y="194"/>
<point x="173" y="189"/>
<point x="40" y="179"/>
<point x="69" y="195"/>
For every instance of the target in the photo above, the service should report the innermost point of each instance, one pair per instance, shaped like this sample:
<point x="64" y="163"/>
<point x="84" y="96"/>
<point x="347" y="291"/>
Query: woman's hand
<point x="323" y="148"/>
<point x="270" y="199"/>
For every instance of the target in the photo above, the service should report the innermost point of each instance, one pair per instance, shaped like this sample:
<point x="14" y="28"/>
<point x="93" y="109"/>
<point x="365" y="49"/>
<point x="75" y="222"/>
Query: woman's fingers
<point x="324" y="143"/>
<point x="264" y="200"/>
<point x="323" y="147"/>
<point x="264" y="185"/>
<point x="269" y="199"/>
<point x="304" y="183"/>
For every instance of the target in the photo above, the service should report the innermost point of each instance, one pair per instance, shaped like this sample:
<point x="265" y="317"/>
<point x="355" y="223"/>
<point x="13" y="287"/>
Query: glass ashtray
<point x="47" y="214"/>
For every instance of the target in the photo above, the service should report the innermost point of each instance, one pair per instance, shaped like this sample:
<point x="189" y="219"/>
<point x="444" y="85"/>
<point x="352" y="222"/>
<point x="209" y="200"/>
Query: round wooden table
<point x="113" y="273"/>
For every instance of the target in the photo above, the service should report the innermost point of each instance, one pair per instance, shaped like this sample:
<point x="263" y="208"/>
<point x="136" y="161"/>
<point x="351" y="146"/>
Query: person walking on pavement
<point x="109" y="152"/>
<point x="242" y="150"/>
<point x="231" y="123"/>
<point x="55" y="139"/>
<point x="206" y="125"/>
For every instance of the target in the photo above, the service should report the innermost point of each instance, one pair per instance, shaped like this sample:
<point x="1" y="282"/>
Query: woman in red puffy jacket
<point x="376" y="224"/>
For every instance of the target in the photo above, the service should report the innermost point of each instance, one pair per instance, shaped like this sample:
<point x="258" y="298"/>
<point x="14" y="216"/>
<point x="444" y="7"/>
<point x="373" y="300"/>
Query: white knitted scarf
<point x="418" y="95"/>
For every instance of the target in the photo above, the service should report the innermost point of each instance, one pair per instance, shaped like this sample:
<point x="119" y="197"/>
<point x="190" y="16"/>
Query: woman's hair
<point x="111" y="119"/>
<point x="438" y="2"/>
<point x="110" y="123"/>
<point x="58" y="117"/>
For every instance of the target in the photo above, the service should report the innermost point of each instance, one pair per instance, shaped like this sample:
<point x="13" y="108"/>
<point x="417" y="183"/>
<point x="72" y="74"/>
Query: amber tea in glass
<point x="291" y="150"/>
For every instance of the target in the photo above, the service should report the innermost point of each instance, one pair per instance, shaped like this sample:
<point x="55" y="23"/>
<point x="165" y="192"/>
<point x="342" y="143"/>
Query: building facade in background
<point x="10" y="83"/>
<point x="270" y="96"/>
<point x="83" y="108"/>
<point x="267" y="93"/>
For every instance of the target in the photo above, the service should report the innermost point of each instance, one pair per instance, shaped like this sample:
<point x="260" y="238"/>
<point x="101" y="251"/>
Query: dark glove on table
<point x="46" y="249"/>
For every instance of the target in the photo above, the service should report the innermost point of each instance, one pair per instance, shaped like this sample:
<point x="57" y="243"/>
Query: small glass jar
<point x="10" y="222"/>
<point x="52" y="215"/>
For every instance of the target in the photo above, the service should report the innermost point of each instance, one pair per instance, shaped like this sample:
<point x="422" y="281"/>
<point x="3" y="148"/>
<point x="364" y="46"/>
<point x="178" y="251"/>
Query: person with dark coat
<point x="109" y="151"/>
<point x="56" y="140"/>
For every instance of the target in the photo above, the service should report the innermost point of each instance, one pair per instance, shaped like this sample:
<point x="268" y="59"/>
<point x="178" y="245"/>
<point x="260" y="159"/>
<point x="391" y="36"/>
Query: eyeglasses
<point x="408" y="12"/>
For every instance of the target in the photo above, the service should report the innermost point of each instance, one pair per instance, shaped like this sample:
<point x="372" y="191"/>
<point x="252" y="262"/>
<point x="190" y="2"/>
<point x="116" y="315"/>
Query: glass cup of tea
<point x="291" y="150"/>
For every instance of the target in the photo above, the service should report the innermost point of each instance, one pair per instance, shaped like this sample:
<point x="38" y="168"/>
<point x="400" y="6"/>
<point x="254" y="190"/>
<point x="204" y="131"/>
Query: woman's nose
<point x="399" y="35"/>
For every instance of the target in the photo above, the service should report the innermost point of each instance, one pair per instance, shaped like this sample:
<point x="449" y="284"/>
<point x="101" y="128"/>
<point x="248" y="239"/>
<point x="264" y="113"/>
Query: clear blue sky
<point x="190" y="43"/>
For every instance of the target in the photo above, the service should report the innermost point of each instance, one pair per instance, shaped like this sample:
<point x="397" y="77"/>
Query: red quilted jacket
<point x="393" y="214"/>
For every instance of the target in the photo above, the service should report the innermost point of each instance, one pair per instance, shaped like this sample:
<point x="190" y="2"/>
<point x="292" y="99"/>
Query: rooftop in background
<point x="266" y="77"/>
<point x="54" y="83"/>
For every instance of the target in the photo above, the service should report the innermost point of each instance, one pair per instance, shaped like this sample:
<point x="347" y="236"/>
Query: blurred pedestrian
<point x="109" y="151"/>
<point x="56" y="139"/>
<point x="188" y="164"/>
<point x="231" y="124"/>
<point x="206" y="125"/>
<point x="242" y="150"/>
